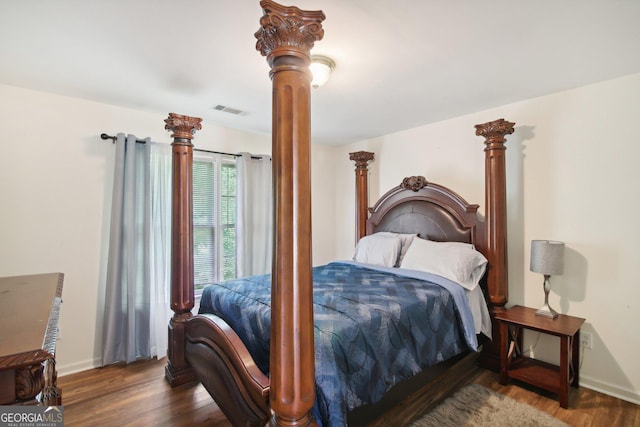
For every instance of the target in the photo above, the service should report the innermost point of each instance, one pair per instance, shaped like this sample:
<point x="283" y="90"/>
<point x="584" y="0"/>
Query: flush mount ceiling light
<point x="321" y="68"/>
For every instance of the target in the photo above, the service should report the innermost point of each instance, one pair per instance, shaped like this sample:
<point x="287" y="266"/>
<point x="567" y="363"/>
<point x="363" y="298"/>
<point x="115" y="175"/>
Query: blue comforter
<point x="373" y="328"/>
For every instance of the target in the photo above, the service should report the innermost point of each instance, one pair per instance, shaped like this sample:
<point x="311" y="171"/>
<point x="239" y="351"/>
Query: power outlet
<point x="586" y="340"/>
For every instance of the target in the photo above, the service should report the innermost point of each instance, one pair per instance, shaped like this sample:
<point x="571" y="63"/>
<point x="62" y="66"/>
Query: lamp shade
<point x="547" y="257"/>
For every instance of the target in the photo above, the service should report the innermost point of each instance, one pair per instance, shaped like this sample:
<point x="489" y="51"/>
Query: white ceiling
<point x="399" y="64"/>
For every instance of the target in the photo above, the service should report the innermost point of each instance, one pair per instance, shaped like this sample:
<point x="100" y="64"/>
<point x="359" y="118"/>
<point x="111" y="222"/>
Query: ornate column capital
<point x="362" y="158"/>
<point x="495" y="131"/>
<point x="288" y="31"/>
<point x="183" y="127"/>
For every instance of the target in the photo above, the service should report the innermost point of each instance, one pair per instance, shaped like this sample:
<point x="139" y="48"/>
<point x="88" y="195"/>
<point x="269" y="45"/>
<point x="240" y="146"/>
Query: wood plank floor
<point x="138" y="395"/>
<point x="587" y="408"/>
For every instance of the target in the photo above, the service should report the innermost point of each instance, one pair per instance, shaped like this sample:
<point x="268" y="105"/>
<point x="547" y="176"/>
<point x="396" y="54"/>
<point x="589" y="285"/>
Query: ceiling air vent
<point x="229" y="110"/>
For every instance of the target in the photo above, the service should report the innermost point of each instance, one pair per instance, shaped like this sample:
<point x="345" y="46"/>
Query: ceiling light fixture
<point x="321" y="68"/>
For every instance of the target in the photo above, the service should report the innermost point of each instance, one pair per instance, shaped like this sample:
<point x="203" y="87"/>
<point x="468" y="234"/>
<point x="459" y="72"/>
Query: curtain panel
<point x="254" y="225"/>
<point x="126" y="318"/>
<point x="138" y="268"/>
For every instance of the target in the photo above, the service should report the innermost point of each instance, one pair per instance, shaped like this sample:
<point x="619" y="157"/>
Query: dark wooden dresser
<point x="29" y="310"/>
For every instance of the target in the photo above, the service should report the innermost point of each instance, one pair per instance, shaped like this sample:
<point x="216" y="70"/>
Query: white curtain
<point x="137" y="289"/>
<point x="254" y="225"/>
<point x="160" y="262"/>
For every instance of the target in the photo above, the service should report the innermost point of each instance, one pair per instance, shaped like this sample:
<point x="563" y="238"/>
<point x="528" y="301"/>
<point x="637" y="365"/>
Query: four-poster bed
<point x="205" y="347"/>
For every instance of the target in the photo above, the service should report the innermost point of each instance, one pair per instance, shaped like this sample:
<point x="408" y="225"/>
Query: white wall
<point x="323" y="200"/>
<point x="572" y="167"/>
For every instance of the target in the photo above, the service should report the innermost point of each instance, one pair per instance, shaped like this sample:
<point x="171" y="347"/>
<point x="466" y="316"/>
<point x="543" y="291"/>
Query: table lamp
<point x="547" y="258"/>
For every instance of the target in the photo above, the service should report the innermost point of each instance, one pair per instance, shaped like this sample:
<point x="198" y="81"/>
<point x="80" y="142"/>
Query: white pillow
<point x="456" y="261"/>
<point x="378" y="249"/>
<point x="405" y="239"/>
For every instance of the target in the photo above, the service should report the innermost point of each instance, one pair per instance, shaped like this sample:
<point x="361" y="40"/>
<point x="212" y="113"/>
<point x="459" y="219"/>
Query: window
<point x="214" y="219"/>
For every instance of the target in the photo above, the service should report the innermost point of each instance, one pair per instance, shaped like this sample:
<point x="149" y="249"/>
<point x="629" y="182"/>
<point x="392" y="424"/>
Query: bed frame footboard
<point x="224" y="366"/>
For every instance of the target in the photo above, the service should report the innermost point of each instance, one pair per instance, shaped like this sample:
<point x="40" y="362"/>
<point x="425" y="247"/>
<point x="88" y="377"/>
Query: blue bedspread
<point x="373" y="328"/>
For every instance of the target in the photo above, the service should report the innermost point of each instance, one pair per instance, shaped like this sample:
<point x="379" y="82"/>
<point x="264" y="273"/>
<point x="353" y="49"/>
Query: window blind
<point x="204" y="217"/>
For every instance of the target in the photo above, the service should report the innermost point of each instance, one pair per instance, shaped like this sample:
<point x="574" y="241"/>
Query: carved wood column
<point x="496" y="227"/>
<point x="362" y="159"/>
<point x="177" y="370"/>
<point x="286" y="36"/>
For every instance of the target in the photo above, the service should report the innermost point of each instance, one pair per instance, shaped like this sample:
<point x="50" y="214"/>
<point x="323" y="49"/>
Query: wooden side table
<point x="29" y="310"/>
<point x="513" y="363"/>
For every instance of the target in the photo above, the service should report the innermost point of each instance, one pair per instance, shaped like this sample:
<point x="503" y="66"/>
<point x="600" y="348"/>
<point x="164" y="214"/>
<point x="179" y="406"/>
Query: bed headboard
<point x="432" y="211"/>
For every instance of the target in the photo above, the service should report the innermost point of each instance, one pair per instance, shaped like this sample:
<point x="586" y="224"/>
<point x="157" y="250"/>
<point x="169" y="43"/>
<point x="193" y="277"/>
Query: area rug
<point x="475" y="405"/>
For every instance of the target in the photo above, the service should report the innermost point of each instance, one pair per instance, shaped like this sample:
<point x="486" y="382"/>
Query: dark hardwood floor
<point x="138" y="395"/>
<point x="587" y="408"/>
<point x="135" y="395"/>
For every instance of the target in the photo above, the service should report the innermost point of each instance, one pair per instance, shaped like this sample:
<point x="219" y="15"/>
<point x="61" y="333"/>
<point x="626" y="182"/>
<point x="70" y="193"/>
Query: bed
<point x="210" y="349"/>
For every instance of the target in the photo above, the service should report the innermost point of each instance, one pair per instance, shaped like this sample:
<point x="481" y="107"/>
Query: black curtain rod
<point x="142" y="141"/>
<point x="113" y="138"/>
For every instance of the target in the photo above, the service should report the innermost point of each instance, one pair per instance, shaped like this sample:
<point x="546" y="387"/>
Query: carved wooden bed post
<point x="286" y="36"/>
<point x="496" y="228"/>
<point x="177" y="370"/>
<point x="362" y="159"/>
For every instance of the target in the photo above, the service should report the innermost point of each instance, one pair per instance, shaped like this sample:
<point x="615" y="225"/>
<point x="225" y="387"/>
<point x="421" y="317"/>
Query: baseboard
<point x="610" y="389"/>
<point x="96" y="362"/>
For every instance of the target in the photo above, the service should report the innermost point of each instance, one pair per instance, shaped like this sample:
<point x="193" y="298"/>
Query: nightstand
<point x="513" y="363"/>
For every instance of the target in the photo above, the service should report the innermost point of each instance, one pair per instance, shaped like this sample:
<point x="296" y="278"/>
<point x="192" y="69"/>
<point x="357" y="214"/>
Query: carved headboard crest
<point x="414" y="183"/>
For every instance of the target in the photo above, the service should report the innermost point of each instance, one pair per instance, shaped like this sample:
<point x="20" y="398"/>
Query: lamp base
<point x="547" y="311"/>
